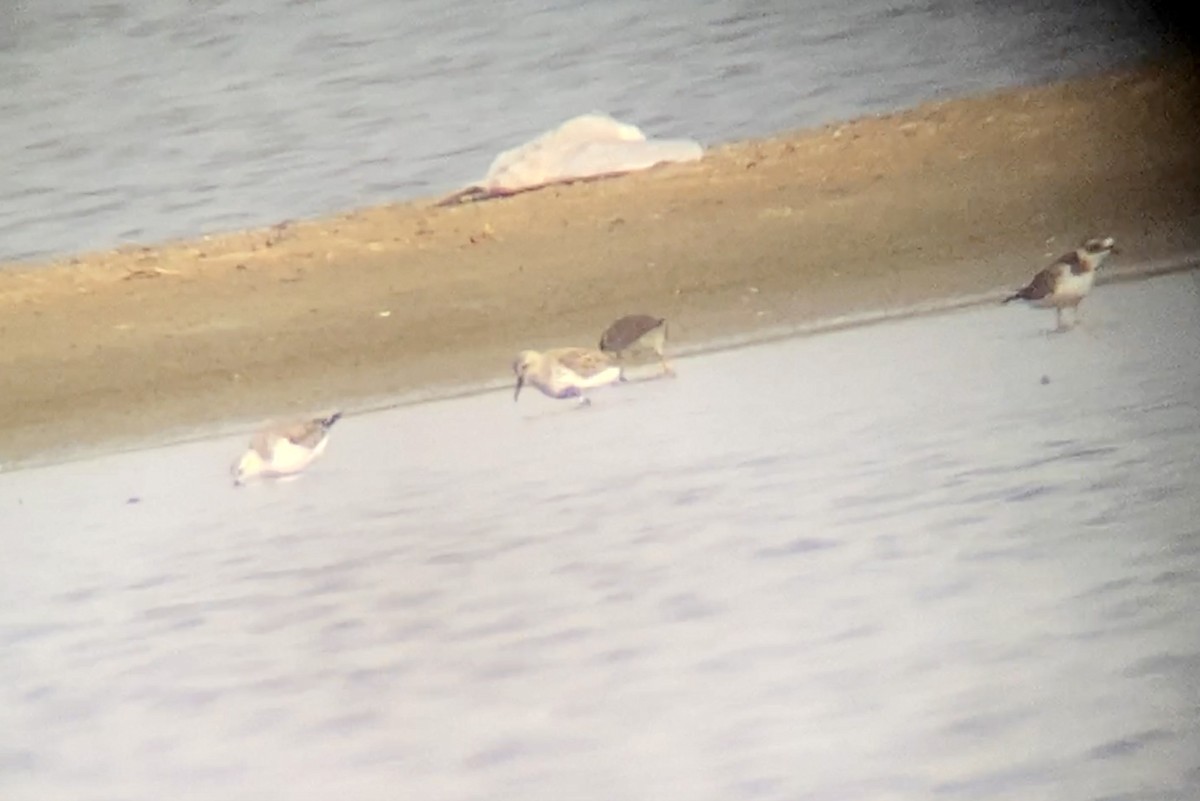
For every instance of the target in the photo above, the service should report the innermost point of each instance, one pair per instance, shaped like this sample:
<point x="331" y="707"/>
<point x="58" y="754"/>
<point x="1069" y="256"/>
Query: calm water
<point x="138" y="121"/>
<point x="884" y="563"/>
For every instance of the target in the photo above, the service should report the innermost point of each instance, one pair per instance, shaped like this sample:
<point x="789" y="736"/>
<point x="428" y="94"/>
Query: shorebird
<point x="636" y="333"/>
<point x="284" y="450"/>
<point x="565" y="372"/>
<point x="1067" y="281"/>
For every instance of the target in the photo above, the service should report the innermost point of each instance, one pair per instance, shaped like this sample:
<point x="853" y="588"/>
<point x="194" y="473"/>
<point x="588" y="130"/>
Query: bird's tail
<point x="331" y="419"/>
<point x="1015" y="296"/>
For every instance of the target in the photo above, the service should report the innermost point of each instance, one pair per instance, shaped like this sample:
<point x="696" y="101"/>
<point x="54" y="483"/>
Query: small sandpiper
<point x="565" y="372"/>
<point x="634" y="334"/>
<point x="284" y="450"/>
<point x="1067" y="281"/>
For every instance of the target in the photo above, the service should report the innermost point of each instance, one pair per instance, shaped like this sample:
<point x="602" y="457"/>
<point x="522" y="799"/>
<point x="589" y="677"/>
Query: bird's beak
<point x="520" y="383"/>
<point x="1114" y="249"/>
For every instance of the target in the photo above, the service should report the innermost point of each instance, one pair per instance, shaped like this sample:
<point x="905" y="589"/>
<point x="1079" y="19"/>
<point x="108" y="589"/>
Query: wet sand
<point x="944" y="200"/>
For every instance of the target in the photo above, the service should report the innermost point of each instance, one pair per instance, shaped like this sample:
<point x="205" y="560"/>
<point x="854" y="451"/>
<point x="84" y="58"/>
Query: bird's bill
<point x="517" y="391"/>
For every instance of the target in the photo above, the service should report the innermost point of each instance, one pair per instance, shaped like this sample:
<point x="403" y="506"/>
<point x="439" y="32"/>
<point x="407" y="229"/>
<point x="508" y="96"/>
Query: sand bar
<point x="944" y="200"/>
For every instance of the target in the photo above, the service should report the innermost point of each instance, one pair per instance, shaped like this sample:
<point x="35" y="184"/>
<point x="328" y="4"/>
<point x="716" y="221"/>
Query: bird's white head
<point x="1099" y="246"/>
<point x="249" y="466"/>
<point x="526" y="360"/>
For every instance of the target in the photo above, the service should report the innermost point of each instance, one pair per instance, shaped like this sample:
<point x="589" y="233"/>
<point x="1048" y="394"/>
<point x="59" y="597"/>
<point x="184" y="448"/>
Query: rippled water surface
<point x="138" y="121"/>
<point x="889" y="562"/>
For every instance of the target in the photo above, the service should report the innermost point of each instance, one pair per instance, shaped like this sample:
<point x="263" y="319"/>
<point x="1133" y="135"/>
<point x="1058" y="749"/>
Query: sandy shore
<point x="946" y="199"/>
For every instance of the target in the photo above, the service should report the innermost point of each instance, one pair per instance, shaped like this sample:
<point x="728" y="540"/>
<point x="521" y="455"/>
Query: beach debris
<point x="151" y="272"/>
<point x="565" y="372"/>
<point x="635" y="334"/>
<point x="1066" y="282"/>
<point x="487" y="232"/>
<point x="284" y="450"/>
<point x="276" y="233"/>
<point x="582" y="148"/>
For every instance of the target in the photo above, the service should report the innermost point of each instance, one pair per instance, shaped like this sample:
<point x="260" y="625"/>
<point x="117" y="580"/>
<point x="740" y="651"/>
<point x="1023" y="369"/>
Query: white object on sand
<point x="588" y="146"/>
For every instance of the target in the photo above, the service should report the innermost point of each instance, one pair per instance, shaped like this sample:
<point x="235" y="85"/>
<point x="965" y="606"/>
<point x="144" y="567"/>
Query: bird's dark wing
<point x="1043" y="283"/>
<point x="623" y="333"/>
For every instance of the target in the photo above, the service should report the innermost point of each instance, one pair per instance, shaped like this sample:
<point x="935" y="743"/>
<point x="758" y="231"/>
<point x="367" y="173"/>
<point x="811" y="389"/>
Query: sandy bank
<point x="945" y="199"/>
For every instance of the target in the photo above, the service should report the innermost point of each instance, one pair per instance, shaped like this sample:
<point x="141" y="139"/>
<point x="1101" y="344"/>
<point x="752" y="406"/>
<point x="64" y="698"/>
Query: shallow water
<point x="888" y="562"/>
<point x="132" y="121"/>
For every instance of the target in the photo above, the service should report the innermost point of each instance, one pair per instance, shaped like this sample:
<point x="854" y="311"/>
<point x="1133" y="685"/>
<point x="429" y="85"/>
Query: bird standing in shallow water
<point x="634" y="333"/>
<point x="284" y="450"/>
<point x="565" y="372"/>
<point x="1066" y="282"/>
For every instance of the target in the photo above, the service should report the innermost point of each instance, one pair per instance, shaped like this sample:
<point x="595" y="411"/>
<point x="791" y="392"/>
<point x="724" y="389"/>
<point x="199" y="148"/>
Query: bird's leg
<point x="1079" y="323"/>
<point x="584" y="400"/>
<point x="667" y="369"/>
<point x="1058" y="318"/>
